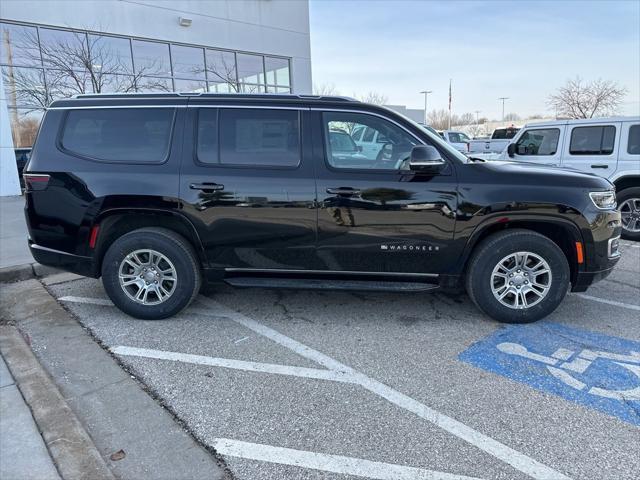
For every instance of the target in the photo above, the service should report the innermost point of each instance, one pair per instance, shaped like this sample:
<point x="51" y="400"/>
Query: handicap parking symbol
<point x="595" y="370"/>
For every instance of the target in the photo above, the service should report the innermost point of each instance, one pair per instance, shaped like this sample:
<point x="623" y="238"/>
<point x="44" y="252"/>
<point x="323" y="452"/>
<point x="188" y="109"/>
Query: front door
<point x="374" y="214"/>
<point x="248" y="187"/>
<point x="539" y="145"/>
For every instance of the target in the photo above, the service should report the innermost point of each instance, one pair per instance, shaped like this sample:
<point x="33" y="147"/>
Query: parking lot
<point x="301" y="385"/>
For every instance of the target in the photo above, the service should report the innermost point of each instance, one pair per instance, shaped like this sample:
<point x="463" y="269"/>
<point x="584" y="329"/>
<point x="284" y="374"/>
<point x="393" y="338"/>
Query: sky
<point x="523" y="50"/>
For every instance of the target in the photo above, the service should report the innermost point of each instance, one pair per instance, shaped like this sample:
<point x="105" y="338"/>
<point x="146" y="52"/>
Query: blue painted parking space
<point x="592" y="369"/>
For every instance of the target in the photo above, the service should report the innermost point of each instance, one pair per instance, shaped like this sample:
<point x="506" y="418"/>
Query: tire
<point x="492" y="251"/>
<point x="629" y="202"/>
<point x="167" y="293"/>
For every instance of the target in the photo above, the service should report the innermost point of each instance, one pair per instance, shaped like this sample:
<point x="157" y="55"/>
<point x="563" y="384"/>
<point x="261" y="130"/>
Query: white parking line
<point x="517" y="460"/>
<point x="609" y="302"/>
<point x="328" y="463"/>
<point x="316" y="373"/>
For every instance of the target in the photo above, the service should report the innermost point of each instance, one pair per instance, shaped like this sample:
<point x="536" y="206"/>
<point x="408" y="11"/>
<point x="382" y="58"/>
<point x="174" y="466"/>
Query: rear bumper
<point x="64" y="261"/>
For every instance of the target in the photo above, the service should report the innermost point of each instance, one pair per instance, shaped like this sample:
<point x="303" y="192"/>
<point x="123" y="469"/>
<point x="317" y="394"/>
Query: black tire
<point x="498" y="246"/>
<point x="176" y="249"/>
<point x="623" y="196"/>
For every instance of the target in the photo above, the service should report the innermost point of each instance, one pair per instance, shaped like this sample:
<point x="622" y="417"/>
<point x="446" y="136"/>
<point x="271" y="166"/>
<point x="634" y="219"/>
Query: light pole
<point x="503" y="99"/>
<point x="426" y="94"/>
<point x="477" y="113"/>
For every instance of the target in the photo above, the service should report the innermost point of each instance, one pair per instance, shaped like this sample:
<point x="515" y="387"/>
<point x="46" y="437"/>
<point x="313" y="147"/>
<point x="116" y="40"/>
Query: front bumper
<point x="601" y="248"/>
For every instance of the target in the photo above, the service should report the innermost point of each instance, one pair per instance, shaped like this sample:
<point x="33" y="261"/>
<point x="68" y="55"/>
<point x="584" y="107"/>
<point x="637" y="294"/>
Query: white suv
<point x="607" y="147"/>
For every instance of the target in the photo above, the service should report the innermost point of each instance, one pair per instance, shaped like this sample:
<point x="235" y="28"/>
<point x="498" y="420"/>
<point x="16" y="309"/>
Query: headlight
<point x="604" y="200"/>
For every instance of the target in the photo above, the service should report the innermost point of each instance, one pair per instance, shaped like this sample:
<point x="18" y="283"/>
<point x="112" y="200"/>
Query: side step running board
<point x="329" y="284"/>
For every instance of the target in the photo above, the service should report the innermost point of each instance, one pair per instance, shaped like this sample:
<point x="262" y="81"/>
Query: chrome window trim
<point x="95" y="107"/>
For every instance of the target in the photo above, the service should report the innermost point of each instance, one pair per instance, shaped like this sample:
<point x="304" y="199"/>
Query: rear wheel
<point x="517" y="276"/>
<point x="629" y="206"/>
<point x="151" y="273"/>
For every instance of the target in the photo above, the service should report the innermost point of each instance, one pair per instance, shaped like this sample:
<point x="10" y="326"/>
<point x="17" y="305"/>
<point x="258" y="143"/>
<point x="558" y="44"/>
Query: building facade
<point x="57" y="49"/>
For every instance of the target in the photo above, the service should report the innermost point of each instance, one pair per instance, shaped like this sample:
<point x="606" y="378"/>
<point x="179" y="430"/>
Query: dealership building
<point x="57" y="49"/>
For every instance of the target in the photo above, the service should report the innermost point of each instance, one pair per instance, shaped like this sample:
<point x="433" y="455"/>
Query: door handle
<point x="213" y="187"/>
<point x="343" y="191"/>
<point x="599" y="165"/>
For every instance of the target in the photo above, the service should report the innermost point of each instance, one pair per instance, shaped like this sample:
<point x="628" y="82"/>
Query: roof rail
<point x="264" y="96"/>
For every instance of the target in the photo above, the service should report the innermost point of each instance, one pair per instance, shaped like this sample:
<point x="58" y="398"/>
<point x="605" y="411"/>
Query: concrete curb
<point x="71" y="448"/>
<point x="17" y="273"/>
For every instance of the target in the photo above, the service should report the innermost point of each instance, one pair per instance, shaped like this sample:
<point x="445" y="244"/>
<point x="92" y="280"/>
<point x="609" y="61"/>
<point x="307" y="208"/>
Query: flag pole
<point x="449" y="104"/>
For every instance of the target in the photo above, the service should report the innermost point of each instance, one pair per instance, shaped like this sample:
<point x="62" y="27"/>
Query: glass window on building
<point x="151" y="58"/>
<point x="24" y="125"/>
<point x="189" y="86"/>
<point x="250" y="69"/>
<point x="277" y="71"/>
<point x="188" y="62"/>
<point x="67" y="83"/>
<point x="20" y="45"/>
<point x="221" y="71"/>
<point x="110" y="55"/>
<point x="153" y="84"/>
<point x="25" y="87"/>
<point x="64" y="50"/>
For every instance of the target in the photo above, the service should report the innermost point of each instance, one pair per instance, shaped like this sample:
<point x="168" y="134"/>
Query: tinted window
<point x="207" y="144"/>
<point x="368" y="135"/>
<point x="127" y="135"/>
<point x="390" y="152"/>
<point x="543" y="141"/>
<point x="259" y="137"/>
<point x="633" y="147"/>
<point x="357" y="133"/>
<point x="592" y="140"/>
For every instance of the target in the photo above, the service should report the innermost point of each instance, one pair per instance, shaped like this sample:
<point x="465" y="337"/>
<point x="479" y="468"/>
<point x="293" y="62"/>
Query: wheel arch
<point x="627" y="181"/>
<point x="114" y="223"/>
<point x="563" y="232"/>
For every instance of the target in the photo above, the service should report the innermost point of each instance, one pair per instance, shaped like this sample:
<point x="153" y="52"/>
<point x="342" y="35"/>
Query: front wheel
<point x="151" y="273"/>
<point x="517" y="276"/>
<point x="629" y="206"/>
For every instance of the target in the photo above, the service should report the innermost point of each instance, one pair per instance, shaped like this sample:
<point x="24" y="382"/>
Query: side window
<point x="357" y="133"/>
<point x="543" y="141"/>
<point x="368" y="135"/>
<point x="207" y="142"/>
<point x="123" y="135"/>
<point x="633" y="147"/>
<point x="259" y="137"/>
<point x="342" y="152"/>
<point x="598" y="140"/>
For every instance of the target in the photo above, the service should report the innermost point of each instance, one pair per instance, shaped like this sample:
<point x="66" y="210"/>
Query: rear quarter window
<point x="633" y="146"/>
<point x="119" y="135"/>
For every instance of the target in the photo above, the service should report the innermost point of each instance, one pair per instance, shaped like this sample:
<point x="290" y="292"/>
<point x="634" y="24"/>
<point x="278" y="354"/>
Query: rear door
<point x="247" y="185"/>
<point x="592" y="148"/>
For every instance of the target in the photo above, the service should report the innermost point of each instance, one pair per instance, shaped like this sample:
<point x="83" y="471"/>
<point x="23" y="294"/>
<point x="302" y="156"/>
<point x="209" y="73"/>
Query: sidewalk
<point x="22" y="449"/>
<point x="13" y="233"/>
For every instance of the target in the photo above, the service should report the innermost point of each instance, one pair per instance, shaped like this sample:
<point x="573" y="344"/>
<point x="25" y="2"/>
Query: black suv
<point x="156" y="192"/>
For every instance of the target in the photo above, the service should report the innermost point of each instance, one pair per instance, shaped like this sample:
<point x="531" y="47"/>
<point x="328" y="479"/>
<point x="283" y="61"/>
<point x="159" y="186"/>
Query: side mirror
<point x="425" y="158"/>
<point x="511" y="149"/>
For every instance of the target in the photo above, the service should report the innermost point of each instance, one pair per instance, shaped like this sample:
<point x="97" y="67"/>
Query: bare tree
<point x="512" y="117"/>
<point x="465" y="119"/>
<point x="439" y="119"/>
<point x="325" y="90"/>
<point x="578" y="99"/>
<point x="375" y="98"/>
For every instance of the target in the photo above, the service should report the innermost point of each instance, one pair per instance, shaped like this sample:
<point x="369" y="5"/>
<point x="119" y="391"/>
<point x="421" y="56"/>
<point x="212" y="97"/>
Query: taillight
<point x="35" y="181"/>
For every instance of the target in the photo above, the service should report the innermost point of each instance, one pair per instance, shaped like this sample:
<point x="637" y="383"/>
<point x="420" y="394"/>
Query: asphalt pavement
<point x="333" y="385"/>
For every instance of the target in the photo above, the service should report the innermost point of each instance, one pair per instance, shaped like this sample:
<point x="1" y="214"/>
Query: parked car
<point x="499" y="140"/>
<point x="345" y="149"/>
<point x="458" y="140"/>
<point x="607" y="147"/>
<point x="153" y="193"/>
<point x="22" y="157"/>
